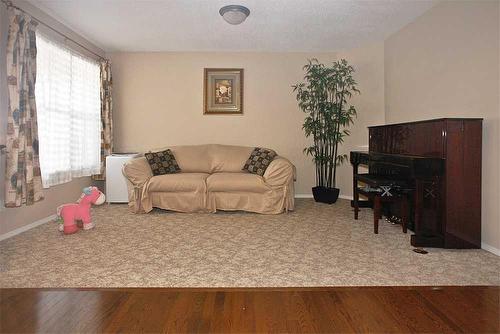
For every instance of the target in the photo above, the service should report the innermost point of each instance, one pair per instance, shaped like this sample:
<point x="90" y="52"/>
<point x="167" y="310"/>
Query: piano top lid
<point x="403" y="156"/>
<point x="430" y="120"/>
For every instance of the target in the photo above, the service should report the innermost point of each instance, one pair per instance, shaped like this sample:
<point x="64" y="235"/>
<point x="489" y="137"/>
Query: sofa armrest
<point x="137" y="171"/>
<point x="279" y="172"/>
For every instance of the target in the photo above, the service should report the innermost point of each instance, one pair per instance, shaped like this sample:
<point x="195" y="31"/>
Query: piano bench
<point x="377" y="198"/>
<point x="377" y="209"/>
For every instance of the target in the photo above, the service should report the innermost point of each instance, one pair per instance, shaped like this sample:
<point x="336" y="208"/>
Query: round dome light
<point x="234" y="14"/>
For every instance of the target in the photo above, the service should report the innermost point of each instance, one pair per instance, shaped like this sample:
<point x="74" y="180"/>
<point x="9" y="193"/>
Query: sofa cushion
<point x="258" y="161"/>
<point x="193" y="158"/>
<point x="227" y="158"/>
<point x="181" y="182"/>
<point x="236" y="182"/>
<point x="209" y="158"/>
<point x="162" y="162"/>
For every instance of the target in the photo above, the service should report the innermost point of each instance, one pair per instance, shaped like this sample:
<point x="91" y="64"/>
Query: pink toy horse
<point x="70" y="213"/>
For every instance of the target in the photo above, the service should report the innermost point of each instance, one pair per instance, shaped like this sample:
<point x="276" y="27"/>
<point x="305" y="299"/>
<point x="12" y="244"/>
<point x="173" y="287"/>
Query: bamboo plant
<point x="323" y="96"/>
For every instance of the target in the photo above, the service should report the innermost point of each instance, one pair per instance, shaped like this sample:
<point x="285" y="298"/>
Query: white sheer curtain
<point x="69" y="115"/>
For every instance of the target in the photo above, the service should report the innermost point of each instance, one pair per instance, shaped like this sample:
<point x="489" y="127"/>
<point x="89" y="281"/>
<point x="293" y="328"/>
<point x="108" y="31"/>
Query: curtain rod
<point x="9" y="4"/>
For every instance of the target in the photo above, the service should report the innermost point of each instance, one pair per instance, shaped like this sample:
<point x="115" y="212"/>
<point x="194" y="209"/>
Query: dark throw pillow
<point x="259" y="160"/>
<point x="162" y="162"/>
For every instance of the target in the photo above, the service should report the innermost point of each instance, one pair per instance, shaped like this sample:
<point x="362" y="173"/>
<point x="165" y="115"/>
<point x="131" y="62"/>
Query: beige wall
<point x="369" y="63"/>
<point x="13" y="218"/>
<point x="158" y="100"/>
<point x="446" y="64"/>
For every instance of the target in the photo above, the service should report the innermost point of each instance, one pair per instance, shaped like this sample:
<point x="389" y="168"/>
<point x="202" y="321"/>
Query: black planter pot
<point x="325" y="195"/>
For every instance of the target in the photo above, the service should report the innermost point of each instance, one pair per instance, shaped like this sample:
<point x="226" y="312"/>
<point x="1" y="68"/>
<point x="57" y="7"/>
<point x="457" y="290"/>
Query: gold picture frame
<point x="223" y="91"/>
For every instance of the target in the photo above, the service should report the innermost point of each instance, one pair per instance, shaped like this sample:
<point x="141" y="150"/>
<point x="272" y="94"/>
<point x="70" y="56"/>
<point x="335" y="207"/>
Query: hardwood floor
<point x="302" y="310"/>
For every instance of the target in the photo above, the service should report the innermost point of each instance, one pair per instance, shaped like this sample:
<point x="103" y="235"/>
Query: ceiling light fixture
<point x="234" y="14"/>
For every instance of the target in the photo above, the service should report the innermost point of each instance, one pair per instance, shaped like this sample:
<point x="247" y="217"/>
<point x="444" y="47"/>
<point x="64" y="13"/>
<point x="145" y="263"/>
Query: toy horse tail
<point x="58" y="211"/>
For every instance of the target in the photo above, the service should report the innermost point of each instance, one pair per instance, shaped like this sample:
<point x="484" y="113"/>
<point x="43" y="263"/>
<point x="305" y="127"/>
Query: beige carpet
<point x="317" y="245"/>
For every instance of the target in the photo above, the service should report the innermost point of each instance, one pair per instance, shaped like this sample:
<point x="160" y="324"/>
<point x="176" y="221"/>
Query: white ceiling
<point x="195" y="25"/>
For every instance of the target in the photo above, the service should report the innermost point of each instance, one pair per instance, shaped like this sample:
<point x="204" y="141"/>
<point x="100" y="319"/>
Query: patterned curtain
<point x="23" y="178"/>
<point x="106" y="117"/>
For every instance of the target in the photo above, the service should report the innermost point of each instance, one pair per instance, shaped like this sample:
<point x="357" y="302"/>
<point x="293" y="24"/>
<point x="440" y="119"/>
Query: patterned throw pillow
<point x="259" y="160"/>
<point x="162" y="162"/>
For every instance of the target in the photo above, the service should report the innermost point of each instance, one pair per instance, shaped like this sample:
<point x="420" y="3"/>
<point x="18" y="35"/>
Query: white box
<point x="116" y="185"/>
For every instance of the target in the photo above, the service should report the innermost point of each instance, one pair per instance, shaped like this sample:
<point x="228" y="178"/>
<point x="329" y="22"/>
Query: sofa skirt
<point x="271" y="202"/>
<point x="275" y="201"/>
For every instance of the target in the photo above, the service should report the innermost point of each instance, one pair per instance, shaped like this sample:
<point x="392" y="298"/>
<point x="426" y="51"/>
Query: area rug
<point x="316" y="245"/>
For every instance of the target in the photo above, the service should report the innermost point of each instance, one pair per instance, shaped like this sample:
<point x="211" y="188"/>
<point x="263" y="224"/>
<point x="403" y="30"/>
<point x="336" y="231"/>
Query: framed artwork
<point x="223" y="91"/>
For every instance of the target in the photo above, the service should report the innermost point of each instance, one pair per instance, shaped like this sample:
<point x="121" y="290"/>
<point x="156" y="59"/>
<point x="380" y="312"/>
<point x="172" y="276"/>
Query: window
<point x="69" y="113"/>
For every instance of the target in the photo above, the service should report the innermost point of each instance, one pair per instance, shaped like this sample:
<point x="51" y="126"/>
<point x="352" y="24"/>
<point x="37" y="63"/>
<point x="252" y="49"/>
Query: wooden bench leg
<point x="355" y="198"/>
<point x="356" y="205"/>
<point x="404" y="212"/>
<point x="376" y="212"/>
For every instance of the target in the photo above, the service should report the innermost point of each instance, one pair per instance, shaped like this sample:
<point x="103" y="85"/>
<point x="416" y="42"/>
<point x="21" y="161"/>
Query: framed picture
<point x="223" y="91"/>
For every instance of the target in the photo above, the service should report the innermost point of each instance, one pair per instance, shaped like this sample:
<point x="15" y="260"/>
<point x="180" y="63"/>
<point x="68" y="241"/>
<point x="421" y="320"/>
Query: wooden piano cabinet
<point x="453" y="218"/>
<point x="428" y="203"/>
<point x="421" y="139"/>
<point x="463" y="186"/>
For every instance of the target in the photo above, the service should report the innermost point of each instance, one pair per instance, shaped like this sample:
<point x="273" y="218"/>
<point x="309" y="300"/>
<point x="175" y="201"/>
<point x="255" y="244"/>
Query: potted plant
<point x="323" y="97"/>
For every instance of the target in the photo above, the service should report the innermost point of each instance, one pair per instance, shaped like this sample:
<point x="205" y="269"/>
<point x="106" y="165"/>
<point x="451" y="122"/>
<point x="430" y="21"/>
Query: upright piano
<point x="440" y="160"/>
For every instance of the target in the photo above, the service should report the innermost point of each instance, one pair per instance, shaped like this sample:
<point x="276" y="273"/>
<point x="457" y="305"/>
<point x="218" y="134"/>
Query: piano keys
<point x="440" y="160"/>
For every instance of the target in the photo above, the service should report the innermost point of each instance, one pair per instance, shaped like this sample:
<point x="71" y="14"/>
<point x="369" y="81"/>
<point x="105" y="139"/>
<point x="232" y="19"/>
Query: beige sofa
<point x="211" y="179"/>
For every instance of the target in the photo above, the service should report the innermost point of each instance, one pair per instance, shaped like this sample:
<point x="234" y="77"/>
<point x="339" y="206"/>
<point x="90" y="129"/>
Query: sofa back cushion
<point x="210" y="158"/>
<point x="229" y="159"/>
<point x="193" y="158"/>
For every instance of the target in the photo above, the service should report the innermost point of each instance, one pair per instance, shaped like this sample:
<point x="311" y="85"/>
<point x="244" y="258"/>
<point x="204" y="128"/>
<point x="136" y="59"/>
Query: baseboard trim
<point x="303" y="196"/>
<point x="490" y="248"/>
<point x="27" y="227"/>
<point x="346" y="197"/>
<point x="311" y="196"/>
